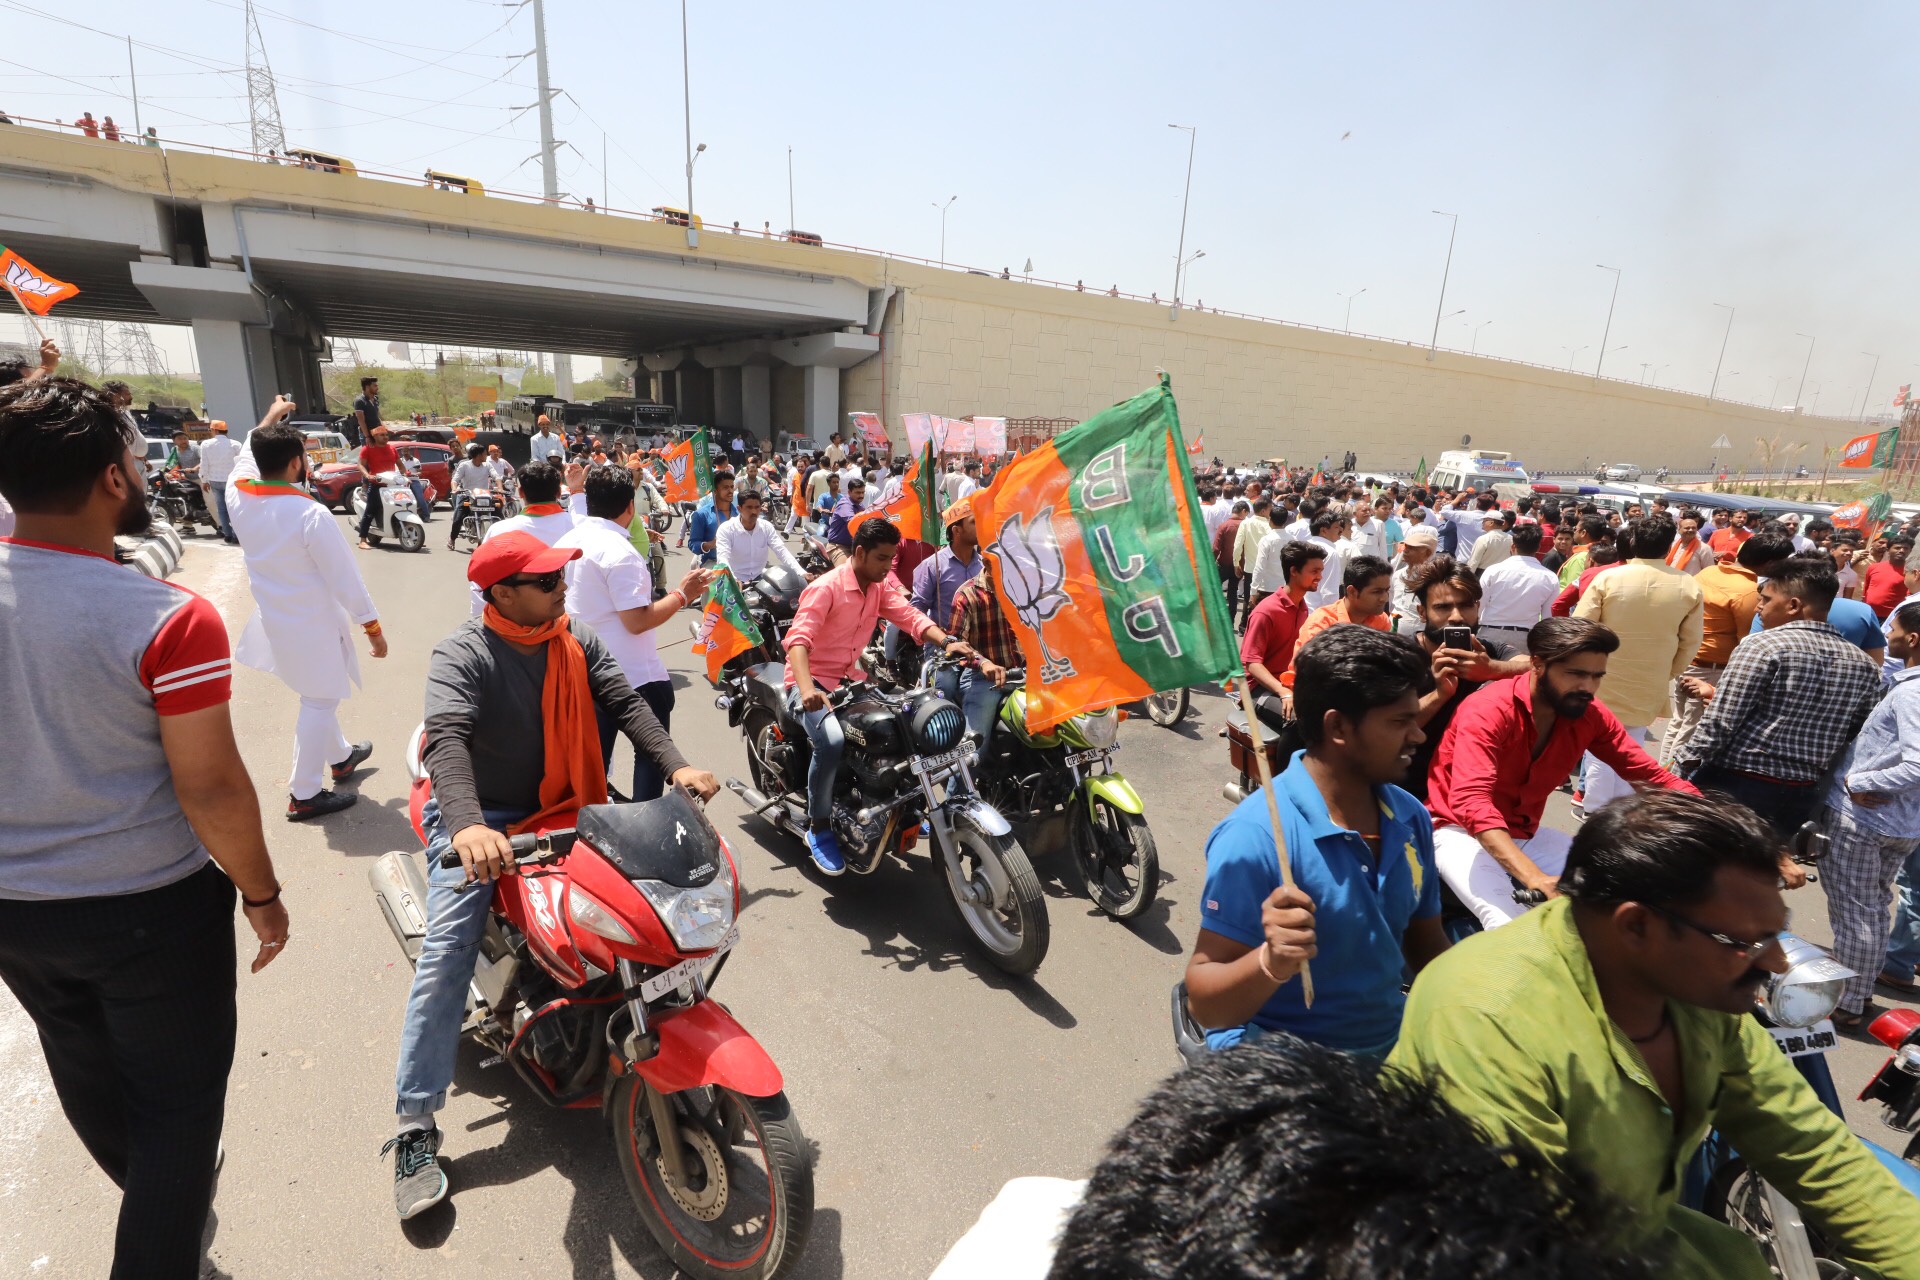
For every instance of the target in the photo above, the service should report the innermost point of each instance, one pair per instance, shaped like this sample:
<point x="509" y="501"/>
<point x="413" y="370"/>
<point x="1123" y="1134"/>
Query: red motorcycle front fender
<point x="703" y="1045"/>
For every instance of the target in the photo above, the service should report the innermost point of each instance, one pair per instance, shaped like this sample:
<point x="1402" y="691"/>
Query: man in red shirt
<point x="1883" y="583"/>
<point x="1508" y="747"/>
<point x="375" y="458"/>
<point x="1223" y="540"/>
<point x="1267" y="649"/>
<point x="1726" y="542"/>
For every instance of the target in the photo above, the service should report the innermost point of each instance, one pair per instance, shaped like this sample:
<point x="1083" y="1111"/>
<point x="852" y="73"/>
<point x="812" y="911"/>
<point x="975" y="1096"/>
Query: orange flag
<point x="689" y="469"/>
<point x="33" y="288"/>
<point x="916" y="510"/>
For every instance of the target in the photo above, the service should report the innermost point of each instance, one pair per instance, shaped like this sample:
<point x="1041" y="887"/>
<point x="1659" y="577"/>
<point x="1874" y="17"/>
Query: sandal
<point x="1843" y="1020"/>
<point x="1905" y="986"/>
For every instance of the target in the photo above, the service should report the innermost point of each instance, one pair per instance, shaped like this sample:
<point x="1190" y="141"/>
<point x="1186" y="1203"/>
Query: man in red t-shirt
<point x="375" y="458"/>
<point x="1883" y="583"/>
<point x="1267" y="649"/>
<point x="1726" y="542"/>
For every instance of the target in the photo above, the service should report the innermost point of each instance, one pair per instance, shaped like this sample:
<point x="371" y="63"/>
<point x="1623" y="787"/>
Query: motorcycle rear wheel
<point x="749" y="1207"/>
<point x="1014" y="934"/>
<point x="1116" y="855"/>
<point x="1169" y="707"/>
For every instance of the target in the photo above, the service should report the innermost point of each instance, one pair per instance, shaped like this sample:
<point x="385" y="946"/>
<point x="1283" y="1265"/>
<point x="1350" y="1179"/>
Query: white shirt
<point x="1268" y="575"/>
<point x="1371" y="536"/>
<point x="610" y="576"/>
<point x="499" y="469"/>
<point x="549" y="529"/>
<point x="1215" y="514"/>
<point x="746" y="551"/>
<point x="1016" y="1235"/>
<point x="473" y="477"/>
<point x="1800" y="541"/>
<point x="545" y="447"/>
<point x="1517" y="592"/>
<point x="217" y="455"/>
<point x="891" y="489"/>
<point x="1299" y="530"/>
<point x="1330" y="589"/>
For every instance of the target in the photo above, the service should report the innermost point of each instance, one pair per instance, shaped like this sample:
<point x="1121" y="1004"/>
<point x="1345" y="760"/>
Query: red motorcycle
<point x="593" y="984"/>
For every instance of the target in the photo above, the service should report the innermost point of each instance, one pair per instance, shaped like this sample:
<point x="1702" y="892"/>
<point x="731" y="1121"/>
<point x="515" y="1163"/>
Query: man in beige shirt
<point x="1246" y="550"/>
<point x="1658" y="612"/>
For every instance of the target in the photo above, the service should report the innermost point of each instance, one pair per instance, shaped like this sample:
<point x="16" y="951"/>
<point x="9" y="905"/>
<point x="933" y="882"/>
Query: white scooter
<point x="399" y="513"/>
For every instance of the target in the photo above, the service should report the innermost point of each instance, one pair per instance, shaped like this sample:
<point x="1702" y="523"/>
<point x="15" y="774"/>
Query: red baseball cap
<point x="512" y="553"/>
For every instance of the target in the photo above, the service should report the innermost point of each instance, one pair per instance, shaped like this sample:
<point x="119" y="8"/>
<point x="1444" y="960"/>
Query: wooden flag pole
<point x="1273" y="812"/>
<point x="25" y="311"/>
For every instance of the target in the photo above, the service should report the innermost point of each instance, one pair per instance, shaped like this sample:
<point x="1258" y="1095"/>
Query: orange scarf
<point x="543" y="509"/>
<point x="574" y="774"/>
<point x="271" y="489"/>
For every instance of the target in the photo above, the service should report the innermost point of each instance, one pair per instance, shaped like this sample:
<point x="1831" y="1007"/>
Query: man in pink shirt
<point x="836" y="617"/>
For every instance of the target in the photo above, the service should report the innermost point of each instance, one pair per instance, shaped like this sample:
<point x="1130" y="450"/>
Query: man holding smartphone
<point x="1446" y="600"/>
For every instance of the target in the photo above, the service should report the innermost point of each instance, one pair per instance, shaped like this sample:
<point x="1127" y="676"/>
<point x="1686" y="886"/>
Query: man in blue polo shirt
<point x="1366" y="898"/>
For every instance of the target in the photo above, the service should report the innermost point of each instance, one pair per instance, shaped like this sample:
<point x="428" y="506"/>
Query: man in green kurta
<point x="1610" y="1029"/>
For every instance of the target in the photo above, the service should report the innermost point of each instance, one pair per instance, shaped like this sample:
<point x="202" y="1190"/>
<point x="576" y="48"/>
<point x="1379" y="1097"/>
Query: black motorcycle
<point x="813" y="555"/>
<point x="180" y="502"/>
<point x="772" y="598"/>
<point x="907" y="761"/>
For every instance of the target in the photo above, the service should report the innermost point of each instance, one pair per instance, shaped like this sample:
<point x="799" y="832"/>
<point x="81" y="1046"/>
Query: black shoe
<point x="355" y="758"/>
<point x="419" y="1183"/>
<point x="318" y="805"/>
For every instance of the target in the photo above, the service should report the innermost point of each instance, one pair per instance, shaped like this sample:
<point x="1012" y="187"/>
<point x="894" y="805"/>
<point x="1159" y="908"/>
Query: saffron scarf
<point x="271" y="488"/>
<point x="543" y="509"/>
<point x="573" y="773"/>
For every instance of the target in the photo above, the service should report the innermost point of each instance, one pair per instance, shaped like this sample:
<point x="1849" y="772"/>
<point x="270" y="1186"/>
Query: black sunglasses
<point x="1747" y="950"/>
<point x="547" y="582"/>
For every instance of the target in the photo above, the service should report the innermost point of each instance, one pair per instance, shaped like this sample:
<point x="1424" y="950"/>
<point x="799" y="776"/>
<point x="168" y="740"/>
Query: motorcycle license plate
<point x="934" y="764"/>
<point x="1798" y="1042"/>
<point x="1090" y="757"/>
<point x="667" y="979"/>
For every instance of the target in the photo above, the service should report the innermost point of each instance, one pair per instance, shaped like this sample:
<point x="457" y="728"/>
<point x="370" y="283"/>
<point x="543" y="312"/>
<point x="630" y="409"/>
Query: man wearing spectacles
<point x="512" y="743"/>
<point x="1609" y="1029"/>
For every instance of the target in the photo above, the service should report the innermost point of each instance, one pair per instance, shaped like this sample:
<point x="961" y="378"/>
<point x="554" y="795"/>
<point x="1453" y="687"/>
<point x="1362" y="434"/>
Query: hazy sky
<point x="1760" y="155"/>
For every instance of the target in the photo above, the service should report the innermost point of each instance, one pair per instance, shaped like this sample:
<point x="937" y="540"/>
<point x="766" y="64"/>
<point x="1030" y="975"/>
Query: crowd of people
<point x="1432" y="664"/>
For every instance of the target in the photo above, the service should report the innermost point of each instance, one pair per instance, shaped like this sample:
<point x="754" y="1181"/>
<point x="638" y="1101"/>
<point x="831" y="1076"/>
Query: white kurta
<point x="308" y="596"/>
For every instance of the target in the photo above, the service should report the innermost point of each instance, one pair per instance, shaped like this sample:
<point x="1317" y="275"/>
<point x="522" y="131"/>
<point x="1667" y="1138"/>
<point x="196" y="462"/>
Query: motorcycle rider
<point x="1610" y="1029"/>
<point x="374" y="459"/>
<point x="511" y="745"/>
<point x="470" y="477"/>
<point x="745" y="544"/>
<point x="834" y="621"/>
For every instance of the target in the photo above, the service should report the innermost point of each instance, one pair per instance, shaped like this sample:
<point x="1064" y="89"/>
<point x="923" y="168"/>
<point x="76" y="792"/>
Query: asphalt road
<point x="923" y="1078"/>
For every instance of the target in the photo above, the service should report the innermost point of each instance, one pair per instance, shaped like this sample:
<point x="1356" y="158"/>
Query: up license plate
<point x="667" y="979"/>
<point x="1090" y="757"/>
<point x="1798" y="1042"/>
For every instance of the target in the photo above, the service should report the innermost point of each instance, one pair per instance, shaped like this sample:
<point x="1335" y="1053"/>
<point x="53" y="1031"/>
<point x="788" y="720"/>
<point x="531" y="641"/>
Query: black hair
<point x="609" y="490"/>
<point x="369" y="378"/>
<point x="1283" y="1159"/>
<point x="1486" y="502"/>
<point x="1443" y="568"/>
<point x="1556" y="639"/>
<point x="1763" y="549"/>
<point x="1262" y="505"/>
<point x="1662" y="848"/>
<point x="540" y="481"/>
<point x="1811" y="579"/>
<point x="722" y="473"/>
<point x="1324" y="520"/>
<point x="1297" y="555"/>
<point x="476" y="451"/>
<point x="1353" y="669"/>
<point x="1526" y="539"/>
<point x="14" y="370"/>
<point x="753" y="495"/>
<point x="877" y="532"/>
<point x="1901" y="539"/>
<point x="115" y="387"/>
<point x="1819" y="525"/>
<point x="56" y="436"/>
<point x="1908" y="616"/>
<point x="1600" y="553"/>
<point x="1596" y="528"/>
<point x="275" y="446"/>
<point x="1652" y="536"/>
<point x="1362" y="570"/>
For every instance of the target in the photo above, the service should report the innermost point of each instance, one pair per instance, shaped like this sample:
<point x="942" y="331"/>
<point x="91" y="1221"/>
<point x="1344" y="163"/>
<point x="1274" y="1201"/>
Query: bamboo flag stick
<point x="1273" y="812"/>
<point x="31" y="318"/>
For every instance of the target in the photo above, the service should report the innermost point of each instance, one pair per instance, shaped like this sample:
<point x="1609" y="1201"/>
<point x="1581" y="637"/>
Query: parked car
<point x="324" y="446"/>
<point x="1619" y="471"/>
<point x="334" y="483"/>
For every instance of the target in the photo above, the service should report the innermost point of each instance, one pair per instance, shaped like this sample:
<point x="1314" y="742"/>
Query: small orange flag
<point x="33" y="288"/>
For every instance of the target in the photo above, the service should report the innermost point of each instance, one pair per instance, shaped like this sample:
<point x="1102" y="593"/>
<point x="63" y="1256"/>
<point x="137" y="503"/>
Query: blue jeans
<point x="217" y="499"/>
<point x="979" y="698"/>
<point x="649" y="783"/>
<point x="437" y="1005"/>
<point x="1903" y="945"/>
<point x="829" y="744"/>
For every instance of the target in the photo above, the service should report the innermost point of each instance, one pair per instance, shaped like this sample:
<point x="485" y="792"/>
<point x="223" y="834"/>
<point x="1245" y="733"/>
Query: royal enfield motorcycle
<point x="479" y="513"/>
<point x="907" y="761"/>
<point x="399" y="512"/>
<point x="179" y="500"/>
<point x="593" y="983"/>
<point x="1066" y="776"/>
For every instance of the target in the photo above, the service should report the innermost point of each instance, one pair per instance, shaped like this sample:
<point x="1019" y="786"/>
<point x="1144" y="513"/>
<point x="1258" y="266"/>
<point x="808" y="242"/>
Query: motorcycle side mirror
<point x="1808" y="844"/>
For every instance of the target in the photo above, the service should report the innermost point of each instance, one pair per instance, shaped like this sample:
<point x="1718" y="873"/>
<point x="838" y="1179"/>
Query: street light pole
<point x="686" y="116"/>
<point x="1572" y="352"/>
<point x="1803" y="370"/>
<point x="1181" y="273"/>
<point x="1723" y="352"/>
<point x="1180" y="253"/>
<point x="1476" y="335"/>
<point x="1868" y="393"/>
<point x="1608" y="331"/>
<point x="943" y="225"/>
<point x="1348" y="327"/>
<point x="792" y="222"/>
<point x="1444" y="273"/>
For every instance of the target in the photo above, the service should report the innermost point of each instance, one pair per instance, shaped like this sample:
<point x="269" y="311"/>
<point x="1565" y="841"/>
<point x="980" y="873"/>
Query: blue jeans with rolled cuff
<point x="829" y="744"/>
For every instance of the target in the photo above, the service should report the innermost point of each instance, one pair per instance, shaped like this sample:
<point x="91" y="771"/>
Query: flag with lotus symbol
<point x="1093" y="541"/>
<point x="727" y="628"/>
<point x="1874" y="449"/>
<point x="916" y="511"/>
<point x="689" y="469"/>
<point x="1866" y="515"/>
<point x="33" y="288"/>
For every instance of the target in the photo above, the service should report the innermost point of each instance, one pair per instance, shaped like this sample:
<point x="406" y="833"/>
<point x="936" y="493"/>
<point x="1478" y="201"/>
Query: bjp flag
<point x="689" y="469"/>
<point x="1866" y="515"/>
<point x="917" y="510"/>
<point x="1874" y="449"/>
<point x="33" y="288"/>
<point x="1095" y="543"/>
<point x="727" y="629"/>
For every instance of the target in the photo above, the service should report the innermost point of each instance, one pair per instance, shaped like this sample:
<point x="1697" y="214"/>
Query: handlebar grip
<point x="524" y="845"/>
<point x="450" y="859"/>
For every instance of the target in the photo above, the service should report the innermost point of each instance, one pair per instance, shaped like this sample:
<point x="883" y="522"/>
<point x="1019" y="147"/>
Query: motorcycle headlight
<point x="590" y="915"/>
<point x="1098" y="728"/>
<point x="1809" y="990"/>
<point x="697" y="918"/>
<point x="937" y="726"/>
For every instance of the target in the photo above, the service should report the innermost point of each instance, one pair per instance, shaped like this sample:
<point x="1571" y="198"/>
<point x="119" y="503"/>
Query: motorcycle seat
<point x="668" y="839"/>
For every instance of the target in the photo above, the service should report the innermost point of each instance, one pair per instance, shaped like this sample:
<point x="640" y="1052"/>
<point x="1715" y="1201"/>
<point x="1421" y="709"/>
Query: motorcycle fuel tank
<point x="874" y="726"/>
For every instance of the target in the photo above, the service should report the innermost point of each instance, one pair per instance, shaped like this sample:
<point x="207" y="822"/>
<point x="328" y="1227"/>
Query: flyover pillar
<point x="251" y="348"/>
<point x="821" y="357"/>
<point x="756" y="400"/>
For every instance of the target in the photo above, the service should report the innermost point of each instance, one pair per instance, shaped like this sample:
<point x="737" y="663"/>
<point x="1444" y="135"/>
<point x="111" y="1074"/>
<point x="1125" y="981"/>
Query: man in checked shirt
<point x="1790" y="701"/>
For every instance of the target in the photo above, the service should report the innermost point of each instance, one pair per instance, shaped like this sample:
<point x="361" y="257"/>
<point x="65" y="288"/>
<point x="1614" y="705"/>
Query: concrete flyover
<point x="267" y="262"/>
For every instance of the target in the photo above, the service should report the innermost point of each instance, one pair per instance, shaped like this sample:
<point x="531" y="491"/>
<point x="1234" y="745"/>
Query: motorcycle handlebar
<point x="526" y="848"/>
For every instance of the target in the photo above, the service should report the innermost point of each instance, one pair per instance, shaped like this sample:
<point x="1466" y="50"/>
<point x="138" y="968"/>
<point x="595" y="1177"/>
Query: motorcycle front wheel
<point x="1168" y="707"/>
<point x="660" y="521"/>
<point x="1013" y="931"/>
<point x="1116" y="855"/>
<point x="1735" y="1196"/>
<point x="748" y="1203"/>
<point x="413" y="538"/>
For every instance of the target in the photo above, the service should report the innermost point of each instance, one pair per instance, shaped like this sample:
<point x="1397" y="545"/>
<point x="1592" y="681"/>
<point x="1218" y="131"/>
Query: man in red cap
<point x="512" y="744"/>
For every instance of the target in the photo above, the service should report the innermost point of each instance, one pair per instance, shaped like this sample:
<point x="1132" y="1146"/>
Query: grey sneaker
<point x="419" y="1183"/>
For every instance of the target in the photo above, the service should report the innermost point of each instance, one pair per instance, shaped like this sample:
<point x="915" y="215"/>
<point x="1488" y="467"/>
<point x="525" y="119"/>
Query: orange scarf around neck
<point x="543" y="509"/>
<point x="574" y="774"/>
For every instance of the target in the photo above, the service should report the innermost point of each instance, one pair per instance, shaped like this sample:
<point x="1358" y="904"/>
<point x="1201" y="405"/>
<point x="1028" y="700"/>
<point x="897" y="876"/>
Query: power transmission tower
<point x="263" y="103"/>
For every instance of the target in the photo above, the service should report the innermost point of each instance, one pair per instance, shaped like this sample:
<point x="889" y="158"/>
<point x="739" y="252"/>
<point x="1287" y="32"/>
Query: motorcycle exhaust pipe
<point x="1233" y="792"/>
<point x="756" y="802"/>
<point x="401" y="890"/>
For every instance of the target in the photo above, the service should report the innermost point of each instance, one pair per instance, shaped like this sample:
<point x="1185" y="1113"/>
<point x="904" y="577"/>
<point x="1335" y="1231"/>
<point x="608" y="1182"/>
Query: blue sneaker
<point x="826" y="853"/>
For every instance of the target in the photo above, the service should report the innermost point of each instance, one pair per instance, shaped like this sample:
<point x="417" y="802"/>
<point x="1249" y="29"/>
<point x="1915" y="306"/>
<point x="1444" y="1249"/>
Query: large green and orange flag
<point x="727" y="629"/>
<point x="1874" y="449"/>
<point x="1094" y="545"/>
<point x="917" y="510"/>
<point x="689" y="469"/>
<point x="1867" y="515"/>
